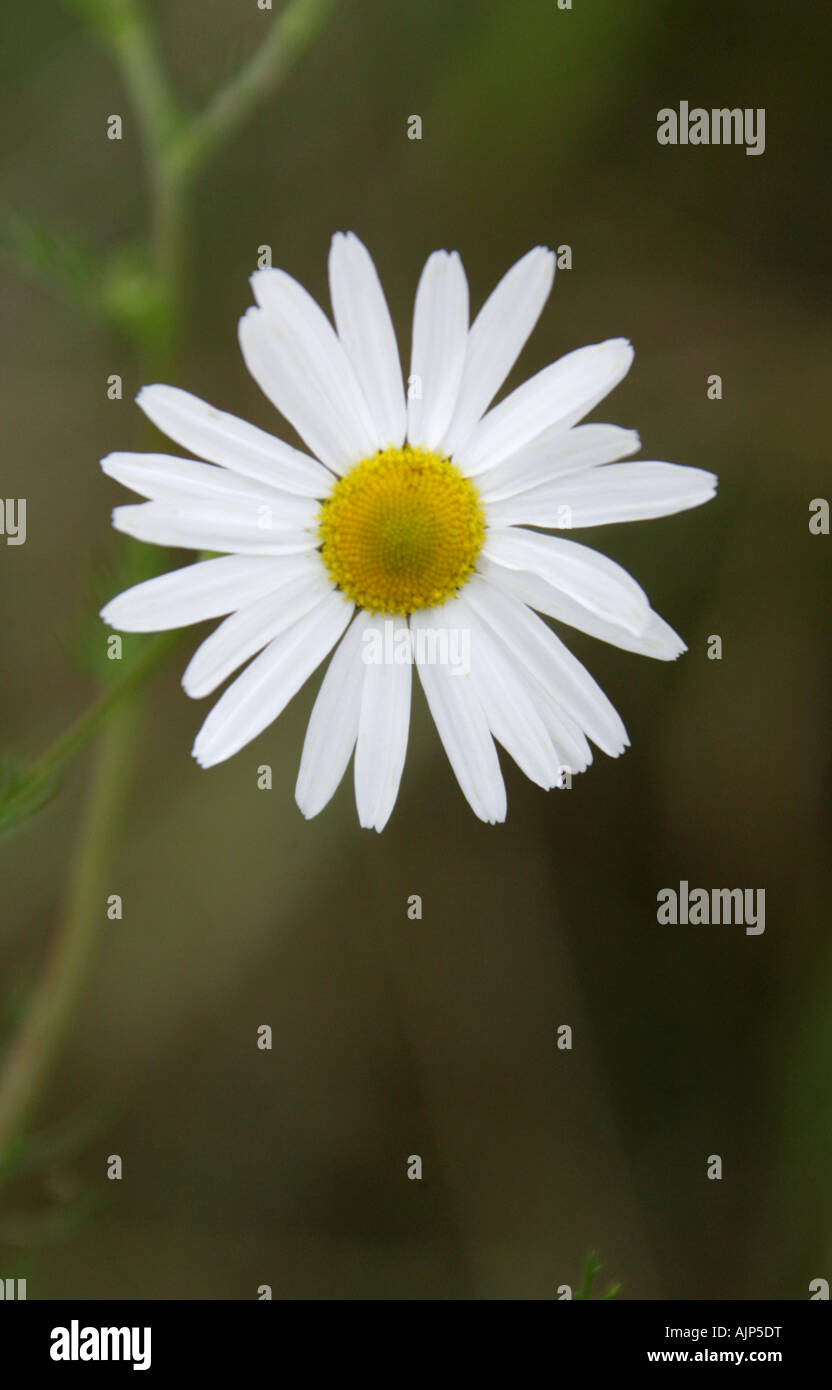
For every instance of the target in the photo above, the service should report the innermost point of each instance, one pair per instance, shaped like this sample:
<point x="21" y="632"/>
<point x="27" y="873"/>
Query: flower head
<point x="401" y="538"/>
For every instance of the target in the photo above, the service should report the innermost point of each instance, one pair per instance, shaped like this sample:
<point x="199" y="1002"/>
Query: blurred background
<point x="438" y="1037"/>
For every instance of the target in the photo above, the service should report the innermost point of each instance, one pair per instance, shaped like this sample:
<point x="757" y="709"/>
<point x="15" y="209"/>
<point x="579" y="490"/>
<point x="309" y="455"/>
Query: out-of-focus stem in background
<point x="176" y="147"/>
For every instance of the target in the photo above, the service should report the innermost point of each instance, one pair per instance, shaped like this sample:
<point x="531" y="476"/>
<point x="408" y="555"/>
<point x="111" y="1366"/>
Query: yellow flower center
<point x="401" y="530"/>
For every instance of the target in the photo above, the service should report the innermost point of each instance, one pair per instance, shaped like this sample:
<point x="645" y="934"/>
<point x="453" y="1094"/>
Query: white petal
<point x="568" y="738"/>
<point x="333" y="723"/>
<point x="206" y="589"/>
<point x="560" y="394"/>
<point x="545" y="659"/>
<point x="460" y="720"/>
<point x="232" y="526"/>
<point x="619" y="492"/>
<point x="365" y="328"/>
<point x="555" y="454"/>
<point x="267" y="685"/>
<point x="657" y="638"/>
<point x="232" y="443"/>
<point x="382" y="731"/>
<point x="293" y="353"/>
<point x="249" y="630"/>
<point x="174" y="480"/>
<point x="583" y="575"/>
<point x="497" y="337"/>
<point x="508" y="704"/>
<point x="440" y="332"/>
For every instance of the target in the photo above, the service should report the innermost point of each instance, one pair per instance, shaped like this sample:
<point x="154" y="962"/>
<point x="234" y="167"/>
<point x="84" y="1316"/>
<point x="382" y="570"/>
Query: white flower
<point x="405" y="524"/>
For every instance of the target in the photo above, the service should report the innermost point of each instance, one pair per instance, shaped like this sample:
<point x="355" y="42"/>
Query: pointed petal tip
<point x="382" y="818"/>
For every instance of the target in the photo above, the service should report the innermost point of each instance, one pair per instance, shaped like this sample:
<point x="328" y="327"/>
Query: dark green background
<point x="438" y="1037"/>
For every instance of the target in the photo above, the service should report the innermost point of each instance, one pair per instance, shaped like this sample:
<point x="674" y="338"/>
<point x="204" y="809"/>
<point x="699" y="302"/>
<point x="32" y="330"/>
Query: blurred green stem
<point x="289" y="37"/>
<point x="169" y="232"/>
<point x="156" y="109"/>
<point x="160" y="119"/>
<point x="175" y="148"/>
<point x="84" y="916"/>
<point x="42" y="773"/>
<point x="592" y="1269"/>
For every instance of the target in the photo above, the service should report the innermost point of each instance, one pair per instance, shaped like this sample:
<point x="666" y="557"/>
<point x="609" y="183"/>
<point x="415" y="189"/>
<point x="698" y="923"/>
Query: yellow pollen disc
<point x="401" y="530"/>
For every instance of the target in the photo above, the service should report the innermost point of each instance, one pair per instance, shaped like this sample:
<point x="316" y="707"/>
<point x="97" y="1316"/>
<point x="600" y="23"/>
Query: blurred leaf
<point x="27" y="788"/>
<point x="51" y="258"/>
<point x="131" y="298"/>
<point x="29" y="1229"/>
<point x="35" y="1153"/>
<point x="592" y="1269"/>
<point x="125" y="291"/>
<point x="23" y="791"/>
<point x="107" y="17"/>
<point x="87" y="642"/>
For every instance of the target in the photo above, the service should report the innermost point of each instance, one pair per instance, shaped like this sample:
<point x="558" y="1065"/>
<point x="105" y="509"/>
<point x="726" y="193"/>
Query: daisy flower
<point x="405" y="524"/>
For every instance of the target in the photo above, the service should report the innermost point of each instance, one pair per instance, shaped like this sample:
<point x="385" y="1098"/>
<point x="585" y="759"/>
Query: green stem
<point x="288" y="39"/>
<point x="160" y="121"/>
<point x="59" y="986"/>
<point x="84" y="917"/>
<point x="174" y="151"/>
<point x="168" y="234"/>
<point x="156" y="110"/>
<point x="42" y="773"/>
